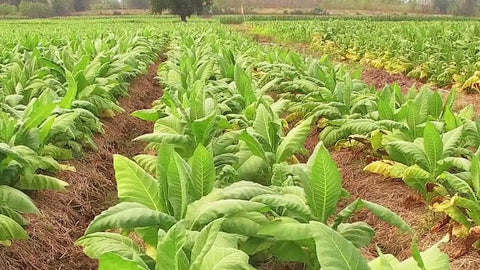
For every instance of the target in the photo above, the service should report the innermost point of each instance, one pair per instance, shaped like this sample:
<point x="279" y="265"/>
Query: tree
<point x="182" y="8"/>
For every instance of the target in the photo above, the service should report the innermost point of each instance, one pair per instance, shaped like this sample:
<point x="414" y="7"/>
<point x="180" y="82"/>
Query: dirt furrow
<point x="65" y="216"/>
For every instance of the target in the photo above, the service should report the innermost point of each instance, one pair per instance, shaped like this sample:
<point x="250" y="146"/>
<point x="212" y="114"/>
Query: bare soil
<point x="65" y="216"/>
<point x="380" y="78"/>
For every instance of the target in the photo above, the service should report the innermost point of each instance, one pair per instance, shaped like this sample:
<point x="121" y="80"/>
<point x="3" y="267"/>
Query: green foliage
<point x="182" y="8"/>
<point x="35" y="10"/>
<point x="7" y="9"/>
<point x="51" y="104"/>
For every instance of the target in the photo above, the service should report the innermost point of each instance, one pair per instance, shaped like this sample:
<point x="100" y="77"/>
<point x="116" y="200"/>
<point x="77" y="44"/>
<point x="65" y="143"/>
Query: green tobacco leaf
<point x="416" y="177"/>
<point x="253" y="145"/>
<point x="450" y="119"/>
<point x="41" y="182"/>
<point x="294" y="141"/>
<point x="95" y="245"/>
<point x="471" y="207"/>
<point x="112" y="261"/>
<point x="334" y="252"/>
<point x="134" y="184"/>
<point x="197" y="100"/>
<point x="261" y="123"/>
<point x="290" y="251"/>
<point x="413" y="118"/>
<point x="250" y="168"/>
<point x="180" y="140"/>
<point x="170" y="255"/>
<point x="382" y="212"/>
<point x="177" y="189"/>
<point x="150" y="115"/>
<point x="407" y="153"/>
<point x="324" y="188"/>
<point x="223" y="208"/>
<point x="451" y="140"/>
<point x="203" y="172"/>
<point x="385" y="111"/>
<point x="432" y="258"/>
<point x="226" y="258"/>
<point x="45" y="128"/>
<point x="475" y="169"/>
<point x="290" y="203"/>
<point x="359" y="233"/>
<point x="147" y="162"/>
<point x="347" y="212"/>
<point x="416" y="254"/>
<point x="433" y="145"/>
<point x="435" y="105"/>
<point x="71" y="93"/>
<point x="16" y="200"/>
<point x="244" y="85"/>
<point x="164" y="155"/>
<point x="286" y="229"/>
<point x="246" y="224"/>
<point x="39" y="109"/>
<point x="458" y="184"/>
<point x="204" y="243"/>
<point x="244" y="190"/>
<point x="201" y="128"/>
<point x="387" y="215"/>
<point x="130" y="215"/>
<point x="9" y="229"/>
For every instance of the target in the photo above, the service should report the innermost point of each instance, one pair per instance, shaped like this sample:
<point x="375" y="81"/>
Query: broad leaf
<point x="334" y="252"/>
<point x="9" y="229"/>
<point x="134" y="184"/>
<point x="433" y="145"/>
<point x="130" y="215"/>
<point x="324" y="188"/>
<point x="294" y="141"/>
<point x="203" y="172"/>
<point x="170" y="255"/>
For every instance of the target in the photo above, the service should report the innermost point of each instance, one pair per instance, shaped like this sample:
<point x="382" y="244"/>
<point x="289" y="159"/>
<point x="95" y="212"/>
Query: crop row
<point x="220" y="186"/>
<point x="54" y="90"/>
<point x="236" y="19"/>
<point x="442" y="52"/>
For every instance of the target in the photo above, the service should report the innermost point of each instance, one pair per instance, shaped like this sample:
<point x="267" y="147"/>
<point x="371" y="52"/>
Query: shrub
<point x="6" y="9"/>
<point x="35" y="10"/>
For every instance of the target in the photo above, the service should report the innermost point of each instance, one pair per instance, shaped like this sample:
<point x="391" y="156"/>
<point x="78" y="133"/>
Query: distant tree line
<point x="283" y="4"/>
<point x="457" y="7"/>
<point x="48" y="8"/>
